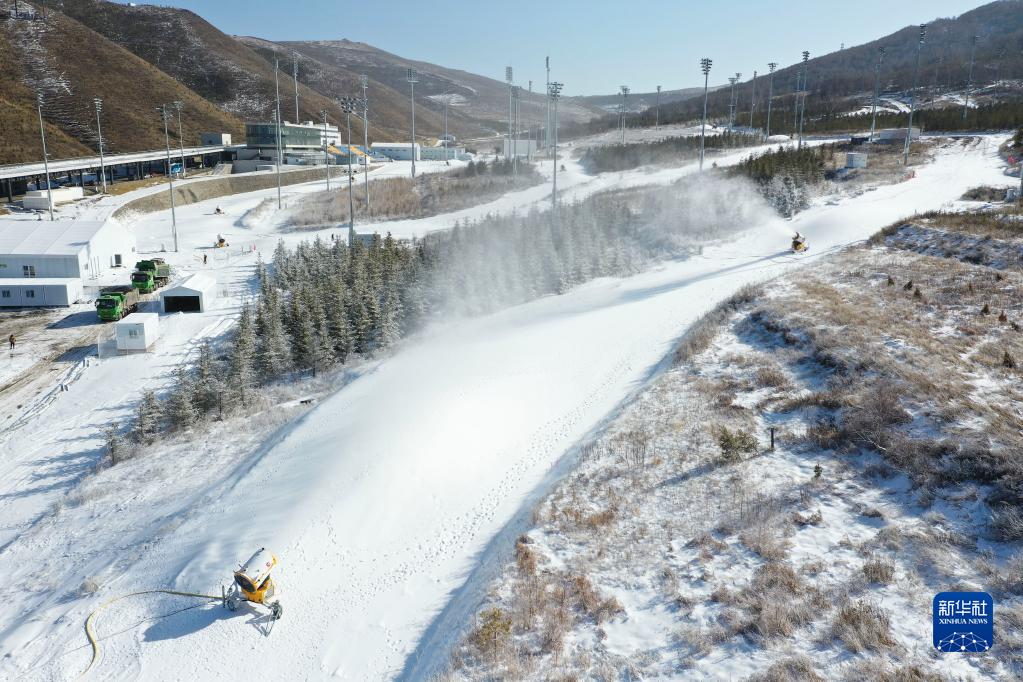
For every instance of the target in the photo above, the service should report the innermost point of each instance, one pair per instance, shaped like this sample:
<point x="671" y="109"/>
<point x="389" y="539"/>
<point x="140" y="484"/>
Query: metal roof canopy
<point x="40" y="238"/>
<point x="22" y="170"/>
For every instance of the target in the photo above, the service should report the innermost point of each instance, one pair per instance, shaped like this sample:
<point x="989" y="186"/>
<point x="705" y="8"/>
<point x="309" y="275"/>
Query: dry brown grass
<point x="863" y="626"/>
<point x="795" y="669"/>
<point x="880" y="571"/>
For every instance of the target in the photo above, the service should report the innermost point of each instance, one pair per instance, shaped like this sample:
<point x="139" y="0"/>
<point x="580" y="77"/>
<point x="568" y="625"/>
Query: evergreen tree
<point x="273" y="354"/>
<point x="148" y="418"/>
<point x="117" y="449"/>
<point x="180" y="409"/>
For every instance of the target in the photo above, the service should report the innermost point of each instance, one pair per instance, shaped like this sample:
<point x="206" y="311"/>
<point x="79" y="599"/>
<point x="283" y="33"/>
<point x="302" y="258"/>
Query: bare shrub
<point x="863" y="626"/>
<point x="1007" y="523"/>
<point x="525" y="559"/>
<point x="764" y="542"/>
<point x="592" y="603"/>
<point x="88" y="586"/>
<point x="879" y="571"/>
<point x="771" y="377"/>
<point x="795" y="669"/>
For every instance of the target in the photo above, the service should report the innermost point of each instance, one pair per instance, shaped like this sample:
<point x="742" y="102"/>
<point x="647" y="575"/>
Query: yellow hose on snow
<point x="91" y="634"/>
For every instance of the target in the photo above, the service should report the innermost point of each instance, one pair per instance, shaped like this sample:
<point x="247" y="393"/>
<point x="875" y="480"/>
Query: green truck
<point x="115" y="303"/>
<point x="150" y="275"/>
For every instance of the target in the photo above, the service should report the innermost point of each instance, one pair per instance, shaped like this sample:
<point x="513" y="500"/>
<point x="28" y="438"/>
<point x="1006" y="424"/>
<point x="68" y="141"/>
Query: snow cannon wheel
<point x="276" y="610"/>
<point x="232" y="602"/>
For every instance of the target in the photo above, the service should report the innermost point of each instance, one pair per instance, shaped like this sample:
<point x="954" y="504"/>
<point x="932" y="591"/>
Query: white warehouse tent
<point x="191" y="295"/>
<point x="66" y="248"/>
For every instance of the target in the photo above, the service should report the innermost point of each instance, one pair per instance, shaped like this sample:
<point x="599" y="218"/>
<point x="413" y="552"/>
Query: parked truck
<point x="150" y="275"/>
<point x="114" y="303"/>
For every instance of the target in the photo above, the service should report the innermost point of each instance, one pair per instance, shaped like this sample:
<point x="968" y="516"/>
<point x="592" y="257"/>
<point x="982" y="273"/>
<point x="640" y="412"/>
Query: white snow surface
<point x="381" y="499"/>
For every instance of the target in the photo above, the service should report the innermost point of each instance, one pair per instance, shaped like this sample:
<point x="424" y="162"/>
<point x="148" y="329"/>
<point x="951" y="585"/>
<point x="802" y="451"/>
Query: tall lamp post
<point x="705" y="65"/>
<point x="802" y="109"/>
<point x="364" y="81"/>
<point x="969" y="81"/>
<point x="99" y="134"/>
<point x="657" y="117"/>
<point x="753" y="100"/>
<point x="326" y="151"/>
<point x="625" y="104"/>
<point x="554" y="92"/>
<point x="279" y="134"/>
<point x="294" y="72"/>
<point x="912" y="94"/>
<point x="731" y="101"/>
<point x="877" y="91"/>
<point x="770" y="97"/>
<point x="508" y="78"/>
<point x="547" y="127"/>
<point x="165" y="115"/>
<point x="46" y="157"/>
<point x="515" y="139"/>
<point x="178" y="106"/>
<point x="348" y="107"/>
<point x="412" y="76"/>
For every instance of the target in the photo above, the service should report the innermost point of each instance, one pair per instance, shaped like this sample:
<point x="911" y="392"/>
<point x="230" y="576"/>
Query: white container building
<point x="74" y="248"/>
<point x="38" y="199"/>
<point x="396" y="151"/>
<point x="191" y="295"/>
<point x="137" y="332"/>
<point x="39" y="292"/>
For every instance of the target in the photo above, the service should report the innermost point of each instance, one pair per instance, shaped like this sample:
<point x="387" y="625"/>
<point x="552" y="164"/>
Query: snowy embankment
<point x="381" y="500"/>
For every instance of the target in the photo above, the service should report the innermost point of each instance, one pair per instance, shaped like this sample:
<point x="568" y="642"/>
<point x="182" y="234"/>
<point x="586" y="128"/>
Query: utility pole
<point x="46" y="157"/>
<point x="364" y="80"/>
<point x="99" y="133"/>
<point x="705" y="65"/>
<point x="877" y="91"/>
<point x="547" y="127"/>
<point x="412" y="76"/>
<point x="802" y="112"/>
<point x="969" y="82"/>
<point x="178" y="105"/>
<point x="770" y="97"/>
<point x="298" y="117"/>
<point x="555" y="93"/>
<point x="625" y="104"/>
<point x="912" y="94"/>
<point x="657" y="119"/>
<point x="753" y="100"/>
<point x="508" y="76"/>
<point x="348" y="106"/>
<point x="326" y="151"/>
<point x="277" y="120"/>
<point x="170" y="176"/>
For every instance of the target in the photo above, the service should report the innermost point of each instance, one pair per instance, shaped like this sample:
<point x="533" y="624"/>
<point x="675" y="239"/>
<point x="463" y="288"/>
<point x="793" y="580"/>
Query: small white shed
<point x="138" y="332"/>
<point x="855" y="160"/>
<point x="191" y="295"/>
<point x="39" y="291"/>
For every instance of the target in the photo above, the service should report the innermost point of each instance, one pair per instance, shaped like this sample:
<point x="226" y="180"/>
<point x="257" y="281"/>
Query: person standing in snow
<point x="204" y="259"/>
<point x="11" y="339"/>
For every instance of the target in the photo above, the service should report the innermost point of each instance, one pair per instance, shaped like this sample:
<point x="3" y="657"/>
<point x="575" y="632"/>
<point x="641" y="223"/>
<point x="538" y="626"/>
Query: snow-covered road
<point x="382" y="499"/>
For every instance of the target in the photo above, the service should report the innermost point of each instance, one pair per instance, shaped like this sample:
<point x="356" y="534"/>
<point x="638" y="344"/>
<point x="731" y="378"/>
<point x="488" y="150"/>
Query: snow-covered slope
<point x="382" y="499"/>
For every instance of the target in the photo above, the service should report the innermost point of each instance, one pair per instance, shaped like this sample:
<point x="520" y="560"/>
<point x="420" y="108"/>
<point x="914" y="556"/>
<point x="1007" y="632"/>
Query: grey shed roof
<point x="41" y="238"/>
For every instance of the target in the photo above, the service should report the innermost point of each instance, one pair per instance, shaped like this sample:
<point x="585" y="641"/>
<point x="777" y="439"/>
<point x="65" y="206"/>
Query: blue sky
<point x="595" y="45"/>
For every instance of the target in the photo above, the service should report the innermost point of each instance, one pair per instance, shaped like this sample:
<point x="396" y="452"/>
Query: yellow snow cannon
<point x="799" y="243"/>
<point x="220" y="243"/>
<point x="252" y="583"/>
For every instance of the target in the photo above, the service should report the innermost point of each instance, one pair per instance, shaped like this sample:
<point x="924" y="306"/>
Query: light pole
<point x="969" y="82"/>
<point x="731" y="102"/>
<point x="178" y="106"/>
<point x="516" y="93"/>
<point x="705" y="65"/>
<point x="348" y="106"/>
<point x="529" y="129"/>
<point x="508" y="76"/>
<point x="912" y="94"/>
<point x="547" y="127"/>
<point x="326" y="152"/>
<point x="46" y="157"/>
<point x="364" y="81"/>
<point x="657" y="119"/>
<point x="625" y="104"/>
<point x="554" y="92"/>
<point x="753" y="100"/>
<point x="170" y="176"/>
<point x="99" y="133"/>
<point x="294" y="71"/>
<point x="277" y="121"/>
<point x="770" y="97"/>
<point x="877" y="91"/>
<point x="412" y="76"/>
<point x="802" y="109"/>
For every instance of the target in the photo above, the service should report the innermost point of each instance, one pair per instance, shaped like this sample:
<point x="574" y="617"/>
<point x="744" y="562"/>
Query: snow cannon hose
<point x="90" y="633"/>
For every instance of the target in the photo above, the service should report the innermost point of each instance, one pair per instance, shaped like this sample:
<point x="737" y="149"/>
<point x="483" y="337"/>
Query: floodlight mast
<point x="348" y="107"/>
<point x="547" y="126"/>
<point x="509" y="79"/>
<point x="877" y="91"/>
<point x="912" y="94"/>
<point x="802" y="109"/>
<point x="515" y="122"/>
<point x="277" y="120"/>
<point x="554" y="92"/>
<point x="178" y="105"/>
<point x="625" y="101"/>
<point x="364" y="81"/>
<point x="46" y="157"/>
<point x="412" y="76"/>
<point x="770" y="97"/>
<point x="170" y="176"/>
<point x="732" y="80"/>
<point x="657" y="119"/>
<point x="99" y="133"/>
<point x="969" y="81"/>
<point x="326" y="151"/>
<point x="705" y="65"/>
<point x="753" y="98"/>
<point x="294" y="55"/>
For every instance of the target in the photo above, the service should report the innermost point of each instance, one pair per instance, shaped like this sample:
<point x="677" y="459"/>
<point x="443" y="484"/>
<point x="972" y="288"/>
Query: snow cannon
<point x="220" y="243"/>
<point x="252" y="583"/>
<point x="799" y="243"/>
